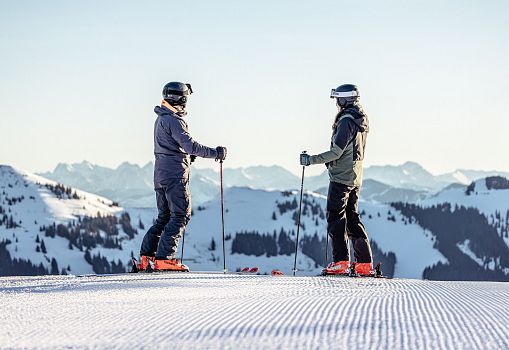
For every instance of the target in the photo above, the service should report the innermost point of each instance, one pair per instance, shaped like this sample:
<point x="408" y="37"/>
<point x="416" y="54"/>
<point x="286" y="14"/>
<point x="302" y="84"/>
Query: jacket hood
<point x="360" y="117"/>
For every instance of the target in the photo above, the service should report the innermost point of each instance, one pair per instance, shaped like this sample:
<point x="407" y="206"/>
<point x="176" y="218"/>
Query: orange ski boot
<point x="169" y="265"/>
<point x="364" y="269"/>
<point x="337" y="268"/>
<point x="144" y="263"/>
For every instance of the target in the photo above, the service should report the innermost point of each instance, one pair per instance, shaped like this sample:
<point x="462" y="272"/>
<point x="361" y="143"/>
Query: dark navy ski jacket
<point x="173" y="147"/>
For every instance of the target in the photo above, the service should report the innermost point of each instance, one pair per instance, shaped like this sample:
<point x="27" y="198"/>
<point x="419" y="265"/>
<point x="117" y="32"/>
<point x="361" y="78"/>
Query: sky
<point x="79" y="79"/>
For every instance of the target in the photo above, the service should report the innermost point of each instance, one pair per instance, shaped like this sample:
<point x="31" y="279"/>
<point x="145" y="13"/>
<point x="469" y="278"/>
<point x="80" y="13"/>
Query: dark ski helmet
<point x="176" y="93"/>
<point x="345" y="94"/>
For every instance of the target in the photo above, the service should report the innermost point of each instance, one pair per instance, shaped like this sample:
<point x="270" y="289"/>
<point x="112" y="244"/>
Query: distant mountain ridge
<point x="132" y="185"/>
<point x="412" y="175"/>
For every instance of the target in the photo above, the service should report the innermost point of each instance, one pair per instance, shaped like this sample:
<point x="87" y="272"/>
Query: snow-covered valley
<point x="215" y="311"/>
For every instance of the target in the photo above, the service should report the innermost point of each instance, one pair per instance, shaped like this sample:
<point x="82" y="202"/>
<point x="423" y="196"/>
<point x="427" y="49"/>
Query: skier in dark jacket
<point x="174" y="151"/>
<point x="344" y="164"/>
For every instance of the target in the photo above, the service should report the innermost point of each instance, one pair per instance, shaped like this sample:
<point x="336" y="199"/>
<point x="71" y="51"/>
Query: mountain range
<point x="459" y="233"/>
<point x="132" y="186"/>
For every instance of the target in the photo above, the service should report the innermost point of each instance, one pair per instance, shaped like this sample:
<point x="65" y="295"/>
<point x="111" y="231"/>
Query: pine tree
<point x="274" y="217"/>
<point x="88" y="258"/>
<point x="43" y="247"/>
<point x="54" y="267"/>
<point x="212" y="246"/>
<point x="37" y="239"/>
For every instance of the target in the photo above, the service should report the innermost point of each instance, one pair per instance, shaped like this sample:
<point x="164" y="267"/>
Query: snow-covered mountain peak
<point x="127" y="166"/>
<point x="460" y="177"/>
<point x="414" y="166"/>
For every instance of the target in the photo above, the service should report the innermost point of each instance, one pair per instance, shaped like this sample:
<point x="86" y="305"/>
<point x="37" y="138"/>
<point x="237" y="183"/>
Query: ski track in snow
<point x="196" y="311"/>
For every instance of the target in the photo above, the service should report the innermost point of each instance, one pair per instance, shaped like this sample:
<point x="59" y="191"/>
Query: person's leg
<point x="357" y="231"/>
<point x="151" y="238"/>
<point x="337" y="199"/>
<point x="179" y="200"/>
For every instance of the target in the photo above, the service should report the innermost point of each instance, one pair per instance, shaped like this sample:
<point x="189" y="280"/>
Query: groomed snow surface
<point x="216" y="311"/>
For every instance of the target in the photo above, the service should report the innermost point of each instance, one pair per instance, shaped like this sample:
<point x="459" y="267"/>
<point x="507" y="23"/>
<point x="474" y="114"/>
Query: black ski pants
<point x="174" y="212"/>
<point x="343" y="222"/>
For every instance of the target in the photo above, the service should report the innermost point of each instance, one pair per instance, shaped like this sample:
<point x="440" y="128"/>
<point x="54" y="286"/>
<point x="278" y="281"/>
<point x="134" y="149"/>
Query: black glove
<point x="221" y="153"/>
<point x="193" y="158"/>
<point x="305" y="159"/>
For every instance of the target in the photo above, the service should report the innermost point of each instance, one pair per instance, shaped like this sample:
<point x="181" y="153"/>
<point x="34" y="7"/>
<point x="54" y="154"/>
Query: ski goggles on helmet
<point x="168" y="92"/>
<point x="337" y="94"/>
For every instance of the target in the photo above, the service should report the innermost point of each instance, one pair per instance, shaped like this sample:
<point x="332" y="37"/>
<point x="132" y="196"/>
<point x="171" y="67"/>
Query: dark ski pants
<point x="343" y="222"/>
<point x="174" y="207"/>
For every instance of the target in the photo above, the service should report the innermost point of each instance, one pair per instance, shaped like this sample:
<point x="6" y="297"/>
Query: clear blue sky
<point x="79" y="79"/>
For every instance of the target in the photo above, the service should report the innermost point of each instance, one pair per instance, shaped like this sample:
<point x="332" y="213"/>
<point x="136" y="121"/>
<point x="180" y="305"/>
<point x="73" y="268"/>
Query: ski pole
<point x="298" y="220"/>
<point x="326" y="248"/>
<point x="222" y="213"/>
<point x="183" y="241"/>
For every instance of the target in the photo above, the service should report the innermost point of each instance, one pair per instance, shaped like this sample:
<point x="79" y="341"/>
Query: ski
<point x="244" y="271"/>
<point x="249" y="270"/>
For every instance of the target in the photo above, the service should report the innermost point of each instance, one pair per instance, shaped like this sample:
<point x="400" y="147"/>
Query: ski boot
<point x="364" y="269"/>
<point x="145" y="259"/>
<point x="168" y="265"/>
<point x="337" y="268"/>
<point x="142" y="265"/>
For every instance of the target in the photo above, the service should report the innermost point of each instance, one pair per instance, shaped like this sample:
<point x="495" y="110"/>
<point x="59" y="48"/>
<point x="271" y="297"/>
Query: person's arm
<point x="179" y="132"/>
<point x="346" y="131"/>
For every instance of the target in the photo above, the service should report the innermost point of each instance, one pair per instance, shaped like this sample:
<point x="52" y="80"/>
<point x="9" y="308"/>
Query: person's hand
<point x="305" y="159"/>
<point x="193" y="158"/>
<point x="221" y="153"/>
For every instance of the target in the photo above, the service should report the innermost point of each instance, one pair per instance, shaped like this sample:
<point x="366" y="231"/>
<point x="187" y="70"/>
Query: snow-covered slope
<point x="488" y="201"/>
<point x="30" y="203"/>
<point x="203" y="311"/>
<point x="268" y="217"/>
<point x="260" y="231"/>
<point x="493" y="203"/>
<point x="471" y="225"/>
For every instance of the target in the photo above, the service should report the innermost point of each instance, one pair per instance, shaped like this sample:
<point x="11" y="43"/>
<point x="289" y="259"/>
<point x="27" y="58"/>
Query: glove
<point x="193" y="158"/>
<point x="221" y="153"/>
<point x="305" y="159"/>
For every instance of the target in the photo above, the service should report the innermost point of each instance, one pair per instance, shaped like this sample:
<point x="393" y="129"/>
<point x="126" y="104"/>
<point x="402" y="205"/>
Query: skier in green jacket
<point x="344" y="164"/>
